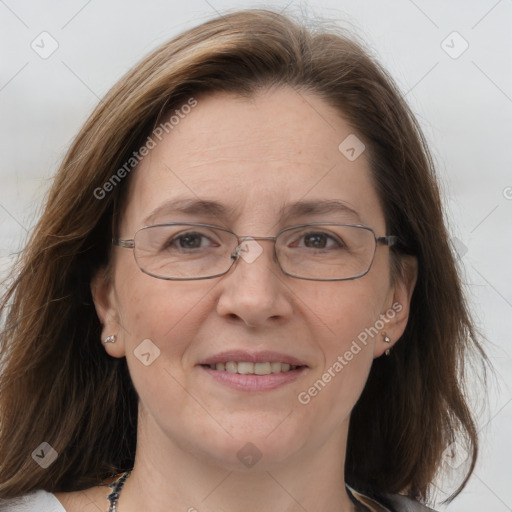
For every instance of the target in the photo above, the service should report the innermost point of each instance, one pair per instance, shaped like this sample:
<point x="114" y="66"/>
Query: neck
<point x="170" y="478"/>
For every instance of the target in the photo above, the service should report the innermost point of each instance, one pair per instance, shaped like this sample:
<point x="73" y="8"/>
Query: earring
<point x="110" y="339"/>
<point x="387" y="339"/>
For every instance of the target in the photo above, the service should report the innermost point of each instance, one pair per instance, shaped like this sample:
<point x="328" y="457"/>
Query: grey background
<point x="464" y="105"/>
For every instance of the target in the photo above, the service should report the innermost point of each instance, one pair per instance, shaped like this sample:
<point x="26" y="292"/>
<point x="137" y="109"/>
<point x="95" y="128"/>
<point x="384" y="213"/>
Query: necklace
<point x="116" y="487"/>
<point x="116" y="491"/>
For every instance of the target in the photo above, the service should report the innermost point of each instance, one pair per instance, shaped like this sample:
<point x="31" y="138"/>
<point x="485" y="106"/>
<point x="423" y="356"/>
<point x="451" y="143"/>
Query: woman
<point x="240" y="294"/>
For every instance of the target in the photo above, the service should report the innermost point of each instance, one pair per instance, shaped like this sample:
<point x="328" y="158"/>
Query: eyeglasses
<point x="317" y="251"/>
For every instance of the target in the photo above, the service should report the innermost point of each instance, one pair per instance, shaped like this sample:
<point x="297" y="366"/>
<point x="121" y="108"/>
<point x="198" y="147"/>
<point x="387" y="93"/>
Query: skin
<point x="253" y="156"/>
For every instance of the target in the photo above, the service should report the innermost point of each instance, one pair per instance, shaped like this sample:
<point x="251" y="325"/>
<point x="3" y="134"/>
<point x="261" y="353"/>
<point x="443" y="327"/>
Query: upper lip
<point x="252" y="357"/>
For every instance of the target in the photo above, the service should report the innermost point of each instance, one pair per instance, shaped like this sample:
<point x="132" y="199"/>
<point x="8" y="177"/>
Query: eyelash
<point x="178" y="238"/>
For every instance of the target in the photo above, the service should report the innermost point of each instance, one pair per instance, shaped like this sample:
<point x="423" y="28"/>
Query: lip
<point x="254" y="383"/>
<point x="252" y="357"/>
<point x="250" y="382"/>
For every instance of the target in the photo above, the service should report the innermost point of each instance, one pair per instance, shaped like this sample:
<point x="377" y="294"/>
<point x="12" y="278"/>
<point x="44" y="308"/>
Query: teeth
<point x="231" y="367"/>
<point x="275" y="367"/>
<point x="247" y="368"/>
<point x="261" y="368"/>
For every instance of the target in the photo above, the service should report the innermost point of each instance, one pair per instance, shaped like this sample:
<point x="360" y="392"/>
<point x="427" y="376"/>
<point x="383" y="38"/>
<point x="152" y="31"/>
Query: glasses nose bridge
<point x="237" y="253"/>
<point x="249" y="237"/>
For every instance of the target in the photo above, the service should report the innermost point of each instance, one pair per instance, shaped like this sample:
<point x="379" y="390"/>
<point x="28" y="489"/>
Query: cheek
<point x="333" y="389"/>
<point x="348" y="347"/>
<point x="167" y="313"/>
<point x="160" y="320"/>
<point x="344" y="319"/>
<point x="341" y="311"/>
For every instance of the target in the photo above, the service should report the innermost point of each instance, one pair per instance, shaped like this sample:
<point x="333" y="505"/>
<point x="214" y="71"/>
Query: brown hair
<point x="57" y="384"/>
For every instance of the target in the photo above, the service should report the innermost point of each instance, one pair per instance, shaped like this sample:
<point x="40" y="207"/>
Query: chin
<point x="251" y="449"/>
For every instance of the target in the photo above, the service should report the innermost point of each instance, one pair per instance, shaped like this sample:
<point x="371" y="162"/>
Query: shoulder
<point x="405" y="504"/>
<point x="390" y="502"/>
<point x="92" y="499"/>
<point x="36" y="501"/>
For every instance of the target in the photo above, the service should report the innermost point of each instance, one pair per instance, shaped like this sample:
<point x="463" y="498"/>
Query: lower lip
<point x="255" y="382"/>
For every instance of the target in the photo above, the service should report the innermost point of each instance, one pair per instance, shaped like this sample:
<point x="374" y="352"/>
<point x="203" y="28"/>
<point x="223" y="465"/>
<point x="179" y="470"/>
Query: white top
<point x="43" y="501"/>
<point x="36" y="501"/>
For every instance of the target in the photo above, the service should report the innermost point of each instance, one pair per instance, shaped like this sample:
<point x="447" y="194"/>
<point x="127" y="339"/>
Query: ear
<point x="106" y="304"/>
<point x="398" y="304"/>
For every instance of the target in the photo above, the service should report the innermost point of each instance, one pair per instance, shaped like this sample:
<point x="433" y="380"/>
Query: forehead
<point x="255" y="156"/>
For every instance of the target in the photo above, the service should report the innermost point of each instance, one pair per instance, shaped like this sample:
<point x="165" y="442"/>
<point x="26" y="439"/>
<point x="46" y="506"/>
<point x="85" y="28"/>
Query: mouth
<point x="250" y="368"/>
<point x="261" y="371"/>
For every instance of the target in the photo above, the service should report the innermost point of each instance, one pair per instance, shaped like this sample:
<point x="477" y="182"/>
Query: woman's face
<point x="255" y="159"/>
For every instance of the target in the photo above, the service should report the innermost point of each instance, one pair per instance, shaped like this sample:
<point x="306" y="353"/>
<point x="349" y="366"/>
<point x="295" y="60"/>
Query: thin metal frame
<point x="388" y="240"/>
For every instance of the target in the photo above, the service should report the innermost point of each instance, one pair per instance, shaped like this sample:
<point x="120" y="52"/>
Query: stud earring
<point x="387" y="339"/>
<point x="110" y="339"/>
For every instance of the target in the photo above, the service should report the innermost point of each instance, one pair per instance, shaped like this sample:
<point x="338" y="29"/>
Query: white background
<point x="464" y="105"/>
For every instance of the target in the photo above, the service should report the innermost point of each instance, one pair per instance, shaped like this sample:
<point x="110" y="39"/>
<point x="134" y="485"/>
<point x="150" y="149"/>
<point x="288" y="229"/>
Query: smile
<point x="249" y="368"/>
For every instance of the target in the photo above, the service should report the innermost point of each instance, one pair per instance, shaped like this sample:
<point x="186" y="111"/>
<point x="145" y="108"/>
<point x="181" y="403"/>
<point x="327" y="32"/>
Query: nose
<point x="254" y="291"/>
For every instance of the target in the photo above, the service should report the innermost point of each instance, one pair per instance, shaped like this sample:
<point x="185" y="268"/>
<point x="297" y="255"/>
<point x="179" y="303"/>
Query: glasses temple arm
<point x="127" y="244"/>
<point x="389" y="240"/>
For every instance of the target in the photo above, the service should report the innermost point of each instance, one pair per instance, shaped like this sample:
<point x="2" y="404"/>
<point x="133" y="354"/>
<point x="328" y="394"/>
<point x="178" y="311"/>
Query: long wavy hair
<point x="58" y="385"/>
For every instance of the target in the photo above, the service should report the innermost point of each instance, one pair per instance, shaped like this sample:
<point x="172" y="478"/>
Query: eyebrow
<point x="188" y="206"/>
